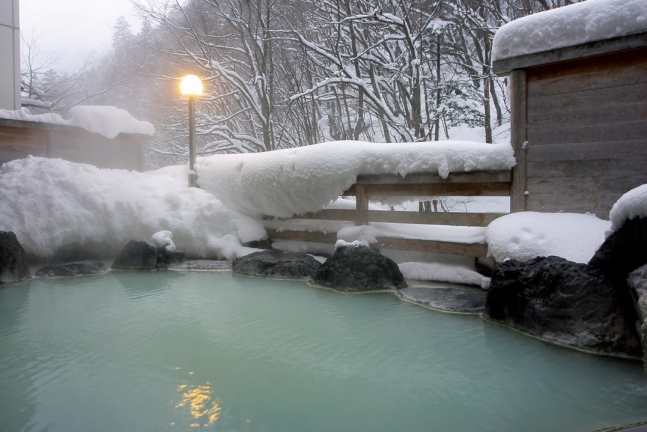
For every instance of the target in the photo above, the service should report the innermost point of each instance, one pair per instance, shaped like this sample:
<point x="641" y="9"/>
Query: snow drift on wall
<point x="589" y="21"/>
<point x="305" y="179"/>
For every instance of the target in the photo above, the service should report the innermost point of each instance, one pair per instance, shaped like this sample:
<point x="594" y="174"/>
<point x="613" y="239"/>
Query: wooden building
<point x="19" y="139"/>
<point x="579" y="124"/>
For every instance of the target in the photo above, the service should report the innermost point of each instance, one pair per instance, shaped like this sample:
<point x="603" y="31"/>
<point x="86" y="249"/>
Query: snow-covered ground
<point x="588" y="21"/>
<point x="108" y="121"/>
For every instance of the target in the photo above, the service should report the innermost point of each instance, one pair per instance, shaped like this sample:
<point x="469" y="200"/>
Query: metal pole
<point x="192" y="174"/>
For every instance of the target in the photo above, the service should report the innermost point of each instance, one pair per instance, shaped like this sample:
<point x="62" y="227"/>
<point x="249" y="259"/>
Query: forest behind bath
<point x="287" y="73"/>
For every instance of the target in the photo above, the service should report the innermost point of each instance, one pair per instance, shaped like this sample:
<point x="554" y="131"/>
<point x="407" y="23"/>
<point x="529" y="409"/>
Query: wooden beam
<point x="431" y="246"/>
<point x="304" y="236"/>
<point x="439" y="189"/>
<point x="424" y="178"/>
<point x="408" y="217"/>
<point x="329" y="214"/>
<point x="361" y="205"/>
<point x="518" y="138"/>
<point x="434" y="218"/>
<point x="417" y="245"/>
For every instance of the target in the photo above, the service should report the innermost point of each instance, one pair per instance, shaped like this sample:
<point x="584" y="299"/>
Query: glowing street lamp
<point x="191" y="86"/>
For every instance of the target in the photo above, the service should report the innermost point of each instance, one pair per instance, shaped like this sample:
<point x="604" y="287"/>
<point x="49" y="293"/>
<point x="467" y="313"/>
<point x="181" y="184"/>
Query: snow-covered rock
<point x="526" y="235"/>
<point x="459" y="274"/>
<point x="305" y="179"/>
<point x="631" y="205"/>
<point x="162" y="241"/>
<point x="588" y="21"/>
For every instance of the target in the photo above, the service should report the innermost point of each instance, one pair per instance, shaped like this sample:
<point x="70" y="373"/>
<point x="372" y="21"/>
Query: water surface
<point x="168" y="351"/>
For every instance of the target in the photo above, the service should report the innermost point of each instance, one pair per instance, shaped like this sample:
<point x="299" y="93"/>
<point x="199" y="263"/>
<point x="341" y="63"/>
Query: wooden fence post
<point x="518" y="138"/>
<point x="361" y="205"/>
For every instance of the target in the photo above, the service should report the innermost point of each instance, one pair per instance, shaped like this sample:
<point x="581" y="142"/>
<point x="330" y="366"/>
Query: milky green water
<point x="171" y="351"/>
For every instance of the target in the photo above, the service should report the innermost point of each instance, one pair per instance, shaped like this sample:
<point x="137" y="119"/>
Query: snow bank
<point x="108" y="121"/>
<point x="526" y="235"/>
<point x="631" y="205"/>
<point x="54" y="205"/>
<point x="296" y="181"/>
<point x="589" y="21"/>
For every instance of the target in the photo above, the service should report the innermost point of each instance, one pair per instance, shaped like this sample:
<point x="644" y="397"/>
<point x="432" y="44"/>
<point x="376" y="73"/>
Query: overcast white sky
<point x="70" y="27"/>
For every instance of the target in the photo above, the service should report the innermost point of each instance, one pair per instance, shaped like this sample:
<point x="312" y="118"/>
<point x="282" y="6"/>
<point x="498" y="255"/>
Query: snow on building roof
<point x="580" y="23"/>
<point x="108" y="121"/>
<point x="305" y="179"/>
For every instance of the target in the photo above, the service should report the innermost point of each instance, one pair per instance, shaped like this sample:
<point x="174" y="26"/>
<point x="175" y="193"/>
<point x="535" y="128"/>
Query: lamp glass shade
<point x="191" y="86"/>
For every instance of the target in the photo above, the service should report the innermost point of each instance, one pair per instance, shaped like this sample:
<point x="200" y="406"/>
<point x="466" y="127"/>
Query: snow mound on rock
<point x="631" y="205"/>
<point x="526" y="235"/>
<point x="162" y="240"/>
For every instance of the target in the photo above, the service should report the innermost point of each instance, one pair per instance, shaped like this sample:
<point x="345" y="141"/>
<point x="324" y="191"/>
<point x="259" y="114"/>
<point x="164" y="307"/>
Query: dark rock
<point x="623" y="251"/>
<point x="359" y="269"/>
<point x="276" y="264"/>
<point x="13" y="262"/>
<point x="166" y="258"/>
<point x="78" y="268"/>
<point x="446" y="299"/>
<point x="135" y="255"/>
<point x="637" y="282"/>
<point x="563" y="302"/>
<point x="201" y="265"/>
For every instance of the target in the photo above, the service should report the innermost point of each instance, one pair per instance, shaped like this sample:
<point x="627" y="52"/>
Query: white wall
<point x="9" y="55"/>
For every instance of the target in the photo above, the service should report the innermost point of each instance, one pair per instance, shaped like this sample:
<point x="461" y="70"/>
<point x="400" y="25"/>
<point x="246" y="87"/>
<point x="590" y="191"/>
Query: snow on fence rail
<point x="477" y="183"/>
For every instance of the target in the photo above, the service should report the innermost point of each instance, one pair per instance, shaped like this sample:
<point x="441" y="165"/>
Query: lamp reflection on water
<point x="198" y="398"/>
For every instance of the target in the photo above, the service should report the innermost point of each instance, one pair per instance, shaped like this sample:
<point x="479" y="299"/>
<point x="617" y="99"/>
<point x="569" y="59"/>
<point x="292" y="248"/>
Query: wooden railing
<point x="478" y="183"/>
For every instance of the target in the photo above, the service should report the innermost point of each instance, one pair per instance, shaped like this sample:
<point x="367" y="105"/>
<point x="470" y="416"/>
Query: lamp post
<point x="191" y="86"/>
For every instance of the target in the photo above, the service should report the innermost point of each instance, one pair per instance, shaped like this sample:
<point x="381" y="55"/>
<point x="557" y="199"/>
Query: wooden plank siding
<point x="19" y="139"/>
<point x="586" y="125"/>
<point x="18" y="143"/>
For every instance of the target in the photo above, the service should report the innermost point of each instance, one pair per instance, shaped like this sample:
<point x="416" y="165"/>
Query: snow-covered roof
<point x="580" y="23"/>
<point x="108" y="121"/>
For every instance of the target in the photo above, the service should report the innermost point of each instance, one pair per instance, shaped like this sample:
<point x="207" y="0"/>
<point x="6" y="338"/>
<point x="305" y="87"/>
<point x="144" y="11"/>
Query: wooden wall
<point x="586" y="132"/>
<point x="20" y="139"/>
